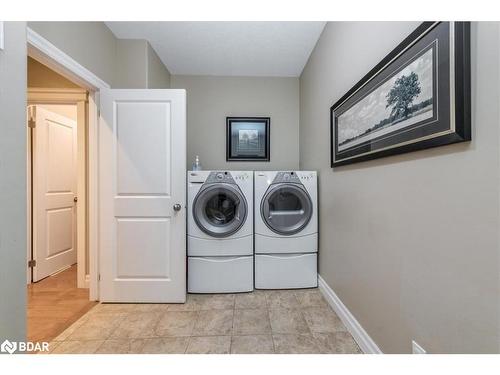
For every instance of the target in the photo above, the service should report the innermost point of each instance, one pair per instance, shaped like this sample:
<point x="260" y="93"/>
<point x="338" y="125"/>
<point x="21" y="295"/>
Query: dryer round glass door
<point x="220" y="210"/>
<point x="286" y="208"/>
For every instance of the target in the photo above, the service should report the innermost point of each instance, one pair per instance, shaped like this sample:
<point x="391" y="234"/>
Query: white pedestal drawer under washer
<point x="220" y="231"/>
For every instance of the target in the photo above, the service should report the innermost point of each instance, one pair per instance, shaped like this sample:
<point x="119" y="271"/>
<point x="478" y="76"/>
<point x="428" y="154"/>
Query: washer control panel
<point x="222" y="176"/>
<point x="241" y="176"/>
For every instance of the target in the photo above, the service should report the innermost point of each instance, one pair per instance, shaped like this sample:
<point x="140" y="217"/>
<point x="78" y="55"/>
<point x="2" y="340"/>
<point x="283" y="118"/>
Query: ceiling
<point x="227" y="48"/>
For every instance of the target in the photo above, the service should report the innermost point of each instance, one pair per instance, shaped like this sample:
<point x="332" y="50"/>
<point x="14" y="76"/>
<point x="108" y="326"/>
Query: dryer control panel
<point x="307" y="176"/>
<point x="286" y="177"/>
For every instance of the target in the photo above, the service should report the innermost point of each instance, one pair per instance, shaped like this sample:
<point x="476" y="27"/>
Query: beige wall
<point x="41" y="76"/>
<point x="211" y="99"/>
<point x="138" y="66"/>
<point x="122" y="63"/>
<point x="131" y="64"/>
<point x="409" y="243"/>
<point x="158" y="74"/>
<point x="66" y="110"/>
<point x="13" y="183"/>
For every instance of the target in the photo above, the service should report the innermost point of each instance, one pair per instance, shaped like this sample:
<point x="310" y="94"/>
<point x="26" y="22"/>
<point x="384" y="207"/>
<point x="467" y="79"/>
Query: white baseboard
<point x="365" y="342"/>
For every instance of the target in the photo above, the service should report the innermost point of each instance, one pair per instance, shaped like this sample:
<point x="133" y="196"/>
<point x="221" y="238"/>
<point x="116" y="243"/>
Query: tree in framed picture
<point x="247" y="138"/>
<point x="417" y="97"/>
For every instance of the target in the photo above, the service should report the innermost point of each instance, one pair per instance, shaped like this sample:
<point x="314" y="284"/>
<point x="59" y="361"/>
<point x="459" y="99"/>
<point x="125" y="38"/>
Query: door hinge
<point x="99" y="277"/>
<point x="31" y="117"/>
<point x="31" y="263"/>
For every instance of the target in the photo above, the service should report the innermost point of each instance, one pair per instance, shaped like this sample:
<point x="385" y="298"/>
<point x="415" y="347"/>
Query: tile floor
<point x="262" y="322"/>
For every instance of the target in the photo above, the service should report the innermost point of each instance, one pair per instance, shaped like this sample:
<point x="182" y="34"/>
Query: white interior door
<point x="142" y="177"/>
<point x="54" y="189"/>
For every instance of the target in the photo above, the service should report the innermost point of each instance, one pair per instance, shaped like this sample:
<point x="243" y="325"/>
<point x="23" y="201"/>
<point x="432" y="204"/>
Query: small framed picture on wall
<point x="247" y="138"/>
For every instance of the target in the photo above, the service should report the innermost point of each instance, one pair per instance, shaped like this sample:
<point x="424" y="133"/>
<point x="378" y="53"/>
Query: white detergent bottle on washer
<point x="197" y="164"/>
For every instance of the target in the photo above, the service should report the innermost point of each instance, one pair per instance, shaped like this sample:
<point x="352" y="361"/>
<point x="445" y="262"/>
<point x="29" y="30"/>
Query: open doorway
<point x="58" y="266"/>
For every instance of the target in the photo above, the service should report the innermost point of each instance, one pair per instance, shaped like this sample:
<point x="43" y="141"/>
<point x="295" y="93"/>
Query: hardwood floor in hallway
<point x="55" y="303"/>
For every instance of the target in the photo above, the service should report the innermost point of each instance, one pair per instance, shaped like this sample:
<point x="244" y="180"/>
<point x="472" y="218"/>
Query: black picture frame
<point x="255" y="126"/>
<point x="450" y="99"/>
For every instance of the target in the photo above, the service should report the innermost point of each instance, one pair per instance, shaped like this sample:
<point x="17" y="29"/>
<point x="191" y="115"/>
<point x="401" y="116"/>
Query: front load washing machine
<point x="220" y="231"/>
<point x="286" y="230"/>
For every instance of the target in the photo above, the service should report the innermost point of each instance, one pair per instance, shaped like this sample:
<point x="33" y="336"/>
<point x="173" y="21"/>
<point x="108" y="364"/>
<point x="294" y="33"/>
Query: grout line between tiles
<point x="232" y="328"/>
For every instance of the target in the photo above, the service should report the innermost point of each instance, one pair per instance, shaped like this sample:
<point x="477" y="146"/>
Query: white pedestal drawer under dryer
<point x="286" y="229"/>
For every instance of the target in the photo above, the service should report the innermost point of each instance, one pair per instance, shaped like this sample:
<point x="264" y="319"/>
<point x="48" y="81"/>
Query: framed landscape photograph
<point x="247" y="138"/>
<point x="417" y="97"/>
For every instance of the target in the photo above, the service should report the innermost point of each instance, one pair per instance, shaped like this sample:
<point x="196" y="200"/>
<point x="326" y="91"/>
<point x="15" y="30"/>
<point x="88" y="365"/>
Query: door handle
<point x="75" y="199"/>
<point x="177" y="207"/>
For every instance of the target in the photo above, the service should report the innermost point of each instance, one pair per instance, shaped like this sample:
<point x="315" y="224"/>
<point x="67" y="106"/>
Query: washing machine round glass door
<point x="286" y="208"/>
<point x="220" y="210"/>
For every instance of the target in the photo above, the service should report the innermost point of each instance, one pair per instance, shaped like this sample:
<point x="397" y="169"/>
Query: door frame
<point x="78" y="98"/>
<point x="48" y="54"/>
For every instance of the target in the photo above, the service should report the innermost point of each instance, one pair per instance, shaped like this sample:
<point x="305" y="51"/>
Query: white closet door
<point x="142" y="178"/>
<point x="54" y="190"/>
